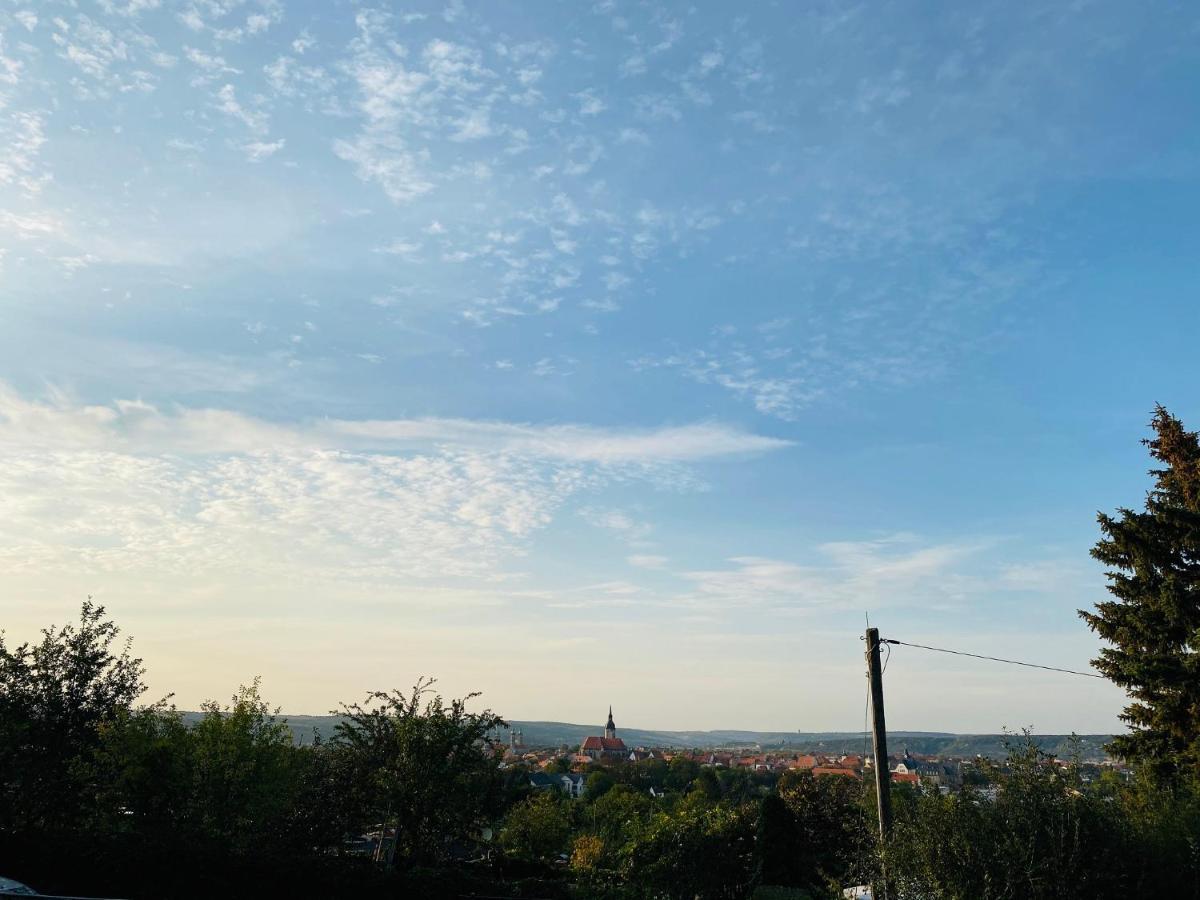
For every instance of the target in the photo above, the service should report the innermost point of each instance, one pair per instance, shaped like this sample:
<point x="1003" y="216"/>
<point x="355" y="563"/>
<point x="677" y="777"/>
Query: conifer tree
<point x="1152" y="621"/>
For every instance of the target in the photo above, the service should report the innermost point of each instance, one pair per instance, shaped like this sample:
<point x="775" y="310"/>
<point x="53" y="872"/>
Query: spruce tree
<point x="1152" y="621"/>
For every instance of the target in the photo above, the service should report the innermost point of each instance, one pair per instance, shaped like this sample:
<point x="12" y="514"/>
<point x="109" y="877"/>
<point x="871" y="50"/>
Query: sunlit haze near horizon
<point x="591" y="353"/>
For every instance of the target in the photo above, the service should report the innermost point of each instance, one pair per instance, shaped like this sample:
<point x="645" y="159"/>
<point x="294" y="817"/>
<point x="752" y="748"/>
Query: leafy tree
<point x="539" y="828"/>
<point x="619" y="813"/>
<point x="776" y="838"/>
<point x="681" y="773"/>
<point x="144" y="765"/>
<point x="598" y="784"/>
<point x="707" y="785"/>
<point x="55" y="696"/>
<point x="1152" y="622"/>
<point x="560" y="766"/>
<point x="701" y="850"/>
<point x="650" y="773"/>
<point x="586" y="852"/>
<point x="833" y="841"/>
<point x="245" y="770"/>
<point x="426" y="768"/>
<point x="1042" y="836"/>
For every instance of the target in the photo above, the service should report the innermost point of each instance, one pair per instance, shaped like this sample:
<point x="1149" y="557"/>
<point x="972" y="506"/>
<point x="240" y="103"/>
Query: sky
<point x="626" y="353"/>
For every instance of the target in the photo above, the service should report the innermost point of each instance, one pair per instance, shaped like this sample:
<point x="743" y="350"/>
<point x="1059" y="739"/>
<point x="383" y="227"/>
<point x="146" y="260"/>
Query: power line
<point x="1011" y="662"/>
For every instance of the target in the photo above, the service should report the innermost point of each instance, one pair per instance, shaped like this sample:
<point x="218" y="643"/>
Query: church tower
<point x="610" y="730"/>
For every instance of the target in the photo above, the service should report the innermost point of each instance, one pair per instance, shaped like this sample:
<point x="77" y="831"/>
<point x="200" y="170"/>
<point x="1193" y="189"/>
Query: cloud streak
<point x="126" y="487"/>
<point x="135" y="426"/>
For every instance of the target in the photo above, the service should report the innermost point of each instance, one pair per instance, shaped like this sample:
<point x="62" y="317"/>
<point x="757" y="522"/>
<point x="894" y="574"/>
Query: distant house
<point x="929" y="771"/>
<point x="833" y="770"/>
<point x="544" y="781"/>
<point x="573" y="784"/>
<point x="608" y="747"/>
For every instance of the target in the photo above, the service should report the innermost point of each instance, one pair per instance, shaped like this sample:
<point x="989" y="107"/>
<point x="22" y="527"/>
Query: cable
<point x="1011" y="662"/>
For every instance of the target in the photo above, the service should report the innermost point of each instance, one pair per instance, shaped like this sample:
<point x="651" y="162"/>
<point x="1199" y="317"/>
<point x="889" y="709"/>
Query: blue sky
<point x="581" y="354"/>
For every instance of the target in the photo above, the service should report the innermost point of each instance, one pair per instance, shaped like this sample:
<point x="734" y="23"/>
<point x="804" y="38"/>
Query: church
<point x="608" y="747"/>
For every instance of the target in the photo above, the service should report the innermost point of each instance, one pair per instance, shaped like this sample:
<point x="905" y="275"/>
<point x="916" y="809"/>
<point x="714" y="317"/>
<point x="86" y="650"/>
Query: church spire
<point x="610" y="730"/>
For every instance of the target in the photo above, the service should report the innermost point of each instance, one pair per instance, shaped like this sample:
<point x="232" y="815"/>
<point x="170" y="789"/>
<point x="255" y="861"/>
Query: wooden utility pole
<point x="883" y="776"/>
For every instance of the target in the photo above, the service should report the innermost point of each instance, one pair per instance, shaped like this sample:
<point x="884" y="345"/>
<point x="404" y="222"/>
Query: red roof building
<point x="831" y="770"/>
<point x="606" y="747"/>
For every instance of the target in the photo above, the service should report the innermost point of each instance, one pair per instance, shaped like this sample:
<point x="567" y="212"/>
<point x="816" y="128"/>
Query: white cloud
<point x="633" y="66"/>
<point x="126" y="486"/>
<point x="617" y="521"/>
<point x="30" y="226"/>
<point x="710" y="60"/>
<point x="214" y="65"/>
<point x="386" y="160"/>
<point x="22" y="136"/>
<point x="137" y="427"/>
<point x="130" y="9"/>
<point x="473" y="126"/>
<point x="257" y="151"/>
<point x="400" y="247"/>
<point x="590" y="104"/>
<point x="896" y="571"/>
<point x="255" y="120"/>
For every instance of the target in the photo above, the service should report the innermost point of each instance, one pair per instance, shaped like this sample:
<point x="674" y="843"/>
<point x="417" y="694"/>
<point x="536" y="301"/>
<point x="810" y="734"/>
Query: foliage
<point x="823" y="834"/>
<point x="55" y="696"/>
<point x="244" y="771"/>
<point x="231" y="807"/>
<point x="620" y="812"/>
<point x="701" y="850"/>
<point x="598" y="784"/>
<point x="707" y="785"/>
<point x="425" y="767"/>
<point x="681" y="773"/>
<point x="586" y="852"/>
<point x="1152" y="622"/>
<point x="539" y="828"/>
<point x="1044" y="834"/>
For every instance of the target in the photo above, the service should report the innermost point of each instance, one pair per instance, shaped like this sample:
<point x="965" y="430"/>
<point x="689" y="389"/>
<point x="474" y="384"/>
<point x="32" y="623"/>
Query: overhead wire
<point x="1011" y="662"/>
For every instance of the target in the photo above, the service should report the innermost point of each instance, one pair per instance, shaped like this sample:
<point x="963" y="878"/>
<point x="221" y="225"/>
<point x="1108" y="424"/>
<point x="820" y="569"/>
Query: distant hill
<point x="554" y="734"/>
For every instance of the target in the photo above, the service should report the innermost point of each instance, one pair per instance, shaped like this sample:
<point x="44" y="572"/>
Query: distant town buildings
<point x="561" y="769"/>
<point x="609" y="747"/>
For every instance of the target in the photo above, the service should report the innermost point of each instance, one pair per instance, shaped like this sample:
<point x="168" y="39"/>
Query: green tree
<point x="1042" y="835"/>
<point x="560" y="766"/>
<point x="681" y="773"/>
<point x="619" y="813"/>
<point x="539" y="828"/>
<point x="424" y="767"/>
<point x="245" y="773"/>
<point x="1152" y="622"/>
<point x="144" y="765"/>
<point x="833" y="837"/>
<point x="650" y="773"/>
<point x="55" y="697"/>
<point x="598" y="784"/>
<point x="700" y="850"/>
<point x="707" y="785"/>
